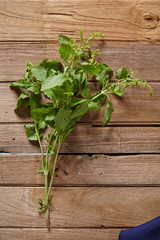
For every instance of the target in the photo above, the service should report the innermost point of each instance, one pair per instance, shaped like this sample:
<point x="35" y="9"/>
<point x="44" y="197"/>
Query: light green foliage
<point x="108" y="113"/>
<point x="30" y="132"/>
<point x="21" y="99"/>
<point x="65" y="84"/>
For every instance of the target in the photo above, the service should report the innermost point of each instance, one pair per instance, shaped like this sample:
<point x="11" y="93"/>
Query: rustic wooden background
<point x="107" y="178"/>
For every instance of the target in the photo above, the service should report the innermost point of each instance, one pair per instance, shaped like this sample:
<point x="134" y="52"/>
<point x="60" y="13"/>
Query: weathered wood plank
<point x="80" y="206"/>
<point x="134" y="107"/>
<point x="44" y="20"/>
<point x="83" y="140"/>
<point x="56" y="234"/>
<point x="142" y="57"/>
<point x="83" y="170"/>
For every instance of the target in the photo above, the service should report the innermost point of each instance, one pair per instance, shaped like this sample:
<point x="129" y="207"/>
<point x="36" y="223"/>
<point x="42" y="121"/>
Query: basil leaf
<point x="121" y="73"/>
<point x="55" y="65"/>
<point x="62" y="39"/>
<point x="62" y="121"/>
<point x="84" y="89"/>
<point x="103" y="77"/>
<point x="41" y="113"/>
<point x="89" y="68"/>
<point x="30" y="132"/>
<point x="34" y="104"/>
<point x="93" y="106"/>
<point x="53" y="81"/>
<point x="34" y="89"/>
<point x="43" y="63"/>
<point x="116" y="89"/>
<point x="80" y="111"/>
<point x="21" y="99"/>
<point x="65" y="51"/>
<point x="21" y="83"/>
<point x="39" y="72"/>
<point x="108" y="113"/>
<point x="41" y="125"/>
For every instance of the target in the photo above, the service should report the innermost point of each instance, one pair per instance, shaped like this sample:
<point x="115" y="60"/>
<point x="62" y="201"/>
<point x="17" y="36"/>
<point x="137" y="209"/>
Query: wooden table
<point x="107" y="178"/>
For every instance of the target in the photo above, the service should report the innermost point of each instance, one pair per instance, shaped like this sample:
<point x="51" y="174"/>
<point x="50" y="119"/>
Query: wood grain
<point x="135" y="107"/>
<point x="90" y="191"/>
<point x="44" y="20"/>
<point x="56" y="234"/>
<point x="83" y="140"/>
<point x="80" y="206"/>
<point x="142" y="57"/>
<point x="83" y="170"/>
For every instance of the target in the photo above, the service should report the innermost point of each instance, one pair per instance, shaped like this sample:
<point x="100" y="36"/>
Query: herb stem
<point x="102" y="92"/>
<point x="39" y="141"/>
<point x="53" y="171"/>
<point x="47" y="205"/>
<point x="47" y="162"/>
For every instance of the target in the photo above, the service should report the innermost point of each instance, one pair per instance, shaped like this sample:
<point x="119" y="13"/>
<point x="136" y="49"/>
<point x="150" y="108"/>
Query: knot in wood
<point x="99" y="172"/>
<point x="151" y="20"/>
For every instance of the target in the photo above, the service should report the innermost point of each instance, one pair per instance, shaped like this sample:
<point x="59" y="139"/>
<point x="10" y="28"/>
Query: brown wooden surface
<point x="132" y="108"/>
<point x="44" y="20"/>
<point x="56" y="234"/>
<point x="87" y="139"/>
<point x="83" y="170"/>
<point x="80" y="206"/>
<point x="143" y="58"/>
<point x="95" y="196"/>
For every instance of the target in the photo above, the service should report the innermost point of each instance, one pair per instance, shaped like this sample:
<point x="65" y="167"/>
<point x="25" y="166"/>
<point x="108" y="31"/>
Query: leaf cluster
<point x="65" y="87"/>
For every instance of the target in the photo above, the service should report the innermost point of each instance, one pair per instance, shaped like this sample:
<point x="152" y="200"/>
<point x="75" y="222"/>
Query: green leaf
<point x="39" y="114"/>
<point x="103" y="77"/>
<point x="42" y="207"/>
<point x="39" y="72"/>
<point x="62" y="121"/>
<point x="27" y="103"/>
<point x="40" y="201"/>
<point x="116" y="89"/>
<point x="34" y="89"/>
<point x="51" y="150"/>
<point x="80" y="111"/>
<point x="25" y="84"/>
<point x="30" y="132"/>
<point x="89" y="68"/>
<point x="121" y="73"/>
<point x="108" y="113"/>
<point x="55" y="65"/>
<point x="34" y="104"/>
<point x="29" y="65"/>
<point x="53" y="81"/>
<point x="21" y="99"/>
<point x="100" y="99"/>
<point x="104" y="66"/>
<point x="41" y="125"/>
<point x="65" y="51"/>
<point x="75" y="101"/>
<point x="41" y="170"/>
<point x="84" y="89"/>
<point x="43" y="63"/>
<point x="62" y="39"/>
<point x="21" y="83"/>
<point x="93" y="106"/>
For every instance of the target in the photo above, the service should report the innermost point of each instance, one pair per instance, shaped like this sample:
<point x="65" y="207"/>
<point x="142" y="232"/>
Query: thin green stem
<point x="47" y="191"/>
<point x="102" y="92"/>
<point x="53" y="171"/>
<point x="47" y="162"/>
<point x="47" y="205"/>
<point x="39" y="141"/>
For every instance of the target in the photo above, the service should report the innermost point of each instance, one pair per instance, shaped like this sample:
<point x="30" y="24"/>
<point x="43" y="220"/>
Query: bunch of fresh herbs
<point x="66" y="86"/>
